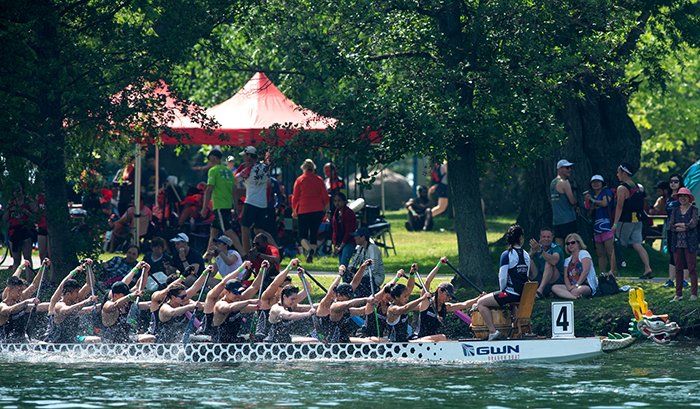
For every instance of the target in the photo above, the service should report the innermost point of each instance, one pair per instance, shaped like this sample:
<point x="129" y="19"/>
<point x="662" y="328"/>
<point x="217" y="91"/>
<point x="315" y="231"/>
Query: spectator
<point x="563" y="201"/>
<point x="675" y="183"/>
<point x="309" y="203"/>
<point x="128" y="221"/>
<point x="117" y="267"/>
<point x="226" y="259"/>
<point x="276" y="199"/>
<point x="148" y="180"/>
<point x="365" y="250"/>
<point x="124" y="182"/>
<point x="438" y="177"/>
<point x="219" y="188"/>
<point x="256" y="175"/>
<point x="630" y="203"/>
<point x="599" y="203"/>
<point x="579" y="277"/>
<point x="420" y="216"/>
<point x="42" y="240"/>
<point x="663" y="189"/>
<point x="20" y="211"/>
<point x="157" y="258"/>
<point x="344" y="223"/>
<point x="333" y="182"/>
<point x="548" y="268"/>
<point x="261" y="251"/>
<point x="683" y="222"/>
<point x="187" y="261"/>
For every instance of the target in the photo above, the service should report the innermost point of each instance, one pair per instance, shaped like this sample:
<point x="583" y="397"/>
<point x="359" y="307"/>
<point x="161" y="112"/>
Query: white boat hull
<point x="551" y="350"/>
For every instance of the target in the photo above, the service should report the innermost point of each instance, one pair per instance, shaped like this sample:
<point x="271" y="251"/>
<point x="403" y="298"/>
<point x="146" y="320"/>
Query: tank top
<point x="517" y="276"/>
<point x="227" y="332"/>
<point x="118" y="333"/>
<point x="398" y="330"/>
<point x="67" y="331"/>
<point x="262" y="330"/>
<point x="428" y="323"/>
<point x="14" y="330"/>
<point x="339" y="331"/>
<point x="154" y="325"/>
<point x="629" y="215"/>
<point x="282" y="331"/>
<point x="172" y="331"/>
<point x="369" y="328"/>
<point x="562" y="210"/>
<point x="207" y="327"/>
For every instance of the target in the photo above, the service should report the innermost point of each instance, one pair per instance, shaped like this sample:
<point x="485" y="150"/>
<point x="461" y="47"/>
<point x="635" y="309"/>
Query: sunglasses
<point x="674" y="181"/>
<point x="182" y="297"/>
<point x="571" y="242"/>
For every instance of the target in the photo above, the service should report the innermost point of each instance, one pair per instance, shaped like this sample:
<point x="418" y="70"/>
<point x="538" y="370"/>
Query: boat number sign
<point x="563" y="319"/>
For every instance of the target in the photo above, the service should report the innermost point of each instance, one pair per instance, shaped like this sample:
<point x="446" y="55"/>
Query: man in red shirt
<point x="263" y="251"/>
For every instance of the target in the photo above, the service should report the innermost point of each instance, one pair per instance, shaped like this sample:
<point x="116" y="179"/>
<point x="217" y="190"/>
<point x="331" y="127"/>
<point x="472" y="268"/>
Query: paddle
<point x="38" y="291"/>
<point x="464" y="317"/>
<point x="359" y="321"/>
<point x="376" y="317"/>
<point x="314" y="318"/>
<point x="315" y="281"/>
<point x="190" y="325"/>
<point x="464" y="277"/>
<point x="135" y="311"/>
<point x="254" y="324"/>
<point x="432" y="303"/>
<point x="93" y="313"/>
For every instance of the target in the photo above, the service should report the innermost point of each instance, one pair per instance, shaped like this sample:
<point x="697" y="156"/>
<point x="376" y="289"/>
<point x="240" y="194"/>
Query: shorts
<point x="441" y="190"/>
<point x="42" y="231"/>
<point x="253" y="215"/>
<point x="222" y="220"/>
<point x="19" y="235"/>
<point x="629" y="233"/>
<point x="548" y="287"/>
<point x="503" y="298"/>
<point x="602" y="237"/>
<point x="563" y="230"/>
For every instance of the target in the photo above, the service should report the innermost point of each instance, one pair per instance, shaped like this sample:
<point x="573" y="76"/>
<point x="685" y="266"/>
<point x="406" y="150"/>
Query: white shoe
<point x="496" y="335"/>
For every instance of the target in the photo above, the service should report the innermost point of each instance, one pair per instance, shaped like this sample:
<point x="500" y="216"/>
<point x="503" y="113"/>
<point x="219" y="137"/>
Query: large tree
<point x="473" y="82"/>
<point x="63" y="63"/>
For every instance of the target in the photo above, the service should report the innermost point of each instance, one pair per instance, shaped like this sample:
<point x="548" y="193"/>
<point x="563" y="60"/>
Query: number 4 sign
<point x="563" y="319"/>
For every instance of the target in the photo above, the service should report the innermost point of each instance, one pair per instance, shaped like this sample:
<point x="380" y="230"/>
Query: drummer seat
<point x="521" y="321"/>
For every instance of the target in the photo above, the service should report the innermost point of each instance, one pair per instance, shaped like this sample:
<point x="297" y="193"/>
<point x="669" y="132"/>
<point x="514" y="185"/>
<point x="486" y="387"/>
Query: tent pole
<point x="137" y="192"/>
<point x="157" y="173"/>
<point x="415" y="177"/>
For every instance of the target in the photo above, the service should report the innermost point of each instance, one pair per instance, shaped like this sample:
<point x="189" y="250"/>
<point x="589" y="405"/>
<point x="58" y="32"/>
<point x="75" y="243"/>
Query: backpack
<point x="636" y="199"/>
<point x="436" y="174"/>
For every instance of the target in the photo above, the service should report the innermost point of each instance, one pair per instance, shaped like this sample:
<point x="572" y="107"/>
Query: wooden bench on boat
<point x="510" y="326"/>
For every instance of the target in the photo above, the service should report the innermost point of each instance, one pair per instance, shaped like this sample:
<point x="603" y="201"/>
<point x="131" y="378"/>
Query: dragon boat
<point x="472" y="350"/>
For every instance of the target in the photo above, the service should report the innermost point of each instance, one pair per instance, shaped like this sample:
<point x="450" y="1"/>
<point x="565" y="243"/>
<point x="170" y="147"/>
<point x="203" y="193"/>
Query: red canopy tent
<point x="258" y="105"/>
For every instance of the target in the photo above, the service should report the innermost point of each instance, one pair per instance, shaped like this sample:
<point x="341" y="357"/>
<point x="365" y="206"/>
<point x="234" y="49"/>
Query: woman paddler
<point x="270" y="297"/>
<point x="216" y="294"/>
<point x="429" y="325"/>
<point x="383" y="300"/>
<point x="512" y="276"/>
<point x="158" y="299"/>
<point x="335" y="310"/>
<point x="397" y="313"/>
<point x="66" y="329"/>
<point x="117" y="304"/>
<point x="15" y="308"/>
<point x="236" y="301"/>
<point x="172" y="314"/>
<point x="286" y="313"/>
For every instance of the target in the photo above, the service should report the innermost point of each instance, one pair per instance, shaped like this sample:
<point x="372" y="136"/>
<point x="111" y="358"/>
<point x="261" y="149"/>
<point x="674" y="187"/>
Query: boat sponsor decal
<point x="492" y="352"/>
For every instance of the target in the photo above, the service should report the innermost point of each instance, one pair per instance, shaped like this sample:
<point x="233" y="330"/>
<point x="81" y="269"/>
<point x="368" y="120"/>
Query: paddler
<point x="383" y="299"/>
<point x="67" y="312"/>
<point x="214" y="295"/>
<point x="397" y="313"/>
<point x="15" y="308"/>
<point x="288" y="312"/>
<point x="429" y="328"/>
<point x="118" y="303"/>
<point x="270" y="297"/>
<point x="172" y="314"/>
<point x="228" y="312"/>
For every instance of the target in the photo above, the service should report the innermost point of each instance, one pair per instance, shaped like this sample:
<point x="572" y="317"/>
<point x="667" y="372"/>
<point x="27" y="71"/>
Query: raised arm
<point x="395" y="310"/>
<point x="357" y="278"/>
<point x="199" y="283"/>
<point x="324" y="307"/>
<point x="272" y="288"/>
<point x="87" y="288"/>
<point x="433" y="273"/>
<point x="37" y="279"/>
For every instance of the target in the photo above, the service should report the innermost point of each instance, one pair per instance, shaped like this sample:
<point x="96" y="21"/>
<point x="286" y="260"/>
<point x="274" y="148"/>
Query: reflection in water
<point x="629" y="378"/>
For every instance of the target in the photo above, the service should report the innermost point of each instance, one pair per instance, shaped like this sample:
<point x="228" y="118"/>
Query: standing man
<point x="256" y="175"/>
<point x="219" y="189"/>
<point x="549" y="262"/>
<point x="366" y="250"/>
<point x="627" y="226"/>
<point x="563" y="203"/>
<point x="148" y="180"/>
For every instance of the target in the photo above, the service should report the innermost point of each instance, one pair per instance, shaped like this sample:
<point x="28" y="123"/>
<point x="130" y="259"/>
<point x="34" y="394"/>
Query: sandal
<point x="539" y="296"/>
<point x="646" y="276"/>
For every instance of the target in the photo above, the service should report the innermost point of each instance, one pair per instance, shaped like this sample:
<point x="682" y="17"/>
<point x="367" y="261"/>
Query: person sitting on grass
<point x="579" y="277"/>
<point x="420" y="216"/>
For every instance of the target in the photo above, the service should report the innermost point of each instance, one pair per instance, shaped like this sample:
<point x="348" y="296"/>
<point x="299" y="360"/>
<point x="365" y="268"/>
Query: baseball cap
<point x="180" y="237"/>
<point x="234" y="286"/>
<point x="597" y="177"/>
<point x="224" y="239"/>
<point x="563" y="163"/>
<point x="190" y="200"/>
<point x="362" y="231"/>
<point x="447" y="287"/>
<point x="344" y="289"/>
<point x="249" y="150"/>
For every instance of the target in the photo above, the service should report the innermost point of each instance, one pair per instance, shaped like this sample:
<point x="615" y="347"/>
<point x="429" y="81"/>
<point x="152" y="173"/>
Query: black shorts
<point x="563" y="230"/>
<point x="253" y="215"/>
<point x="42" y="231"/>
<point x="441" y="190"/>
<point x="222" y="220"/>
<point x="503" y="298"/>
<point x="548" y="287"/>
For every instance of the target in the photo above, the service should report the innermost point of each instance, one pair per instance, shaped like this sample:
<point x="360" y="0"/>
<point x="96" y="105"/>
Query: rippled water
<point x="645" y="375"/>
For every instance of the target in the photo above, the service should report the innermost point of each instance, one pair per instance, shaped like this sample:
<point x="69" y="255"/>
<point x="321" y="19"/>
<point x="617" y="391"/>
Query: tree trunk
<point x="474" y="258"/>
<point x="58" y="222"/>
<point x="599" y="136"/>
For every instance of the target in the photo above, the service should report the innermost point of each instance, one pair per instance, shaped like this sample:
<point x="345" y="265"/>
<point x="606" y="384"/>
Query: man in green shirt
<point x="219" y="189"/>
<point x="548" y="266"/>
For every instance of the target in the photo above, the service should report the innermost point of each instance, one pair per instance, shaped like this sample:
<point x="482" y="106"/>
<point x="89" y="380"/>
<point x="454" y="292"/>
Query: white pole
<point x="157" y="174"/>
<point x="382" y="183"/>
<point x="137" y="192"/>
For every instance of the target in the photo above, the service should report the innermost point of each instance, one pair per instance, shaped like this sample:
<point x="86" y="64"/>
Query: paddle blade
<point x="133" y="316"/>
<point x="188" y="331"/>
<point x="253" y="327"/>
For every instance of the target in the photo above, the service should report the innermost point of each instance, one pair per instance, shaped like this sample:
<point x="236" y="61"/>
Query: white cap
<point x="597" y="177"/>
<point x="249" y="150"/>
<point x="180" y="237"/>
<point x="563" y="163"/>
